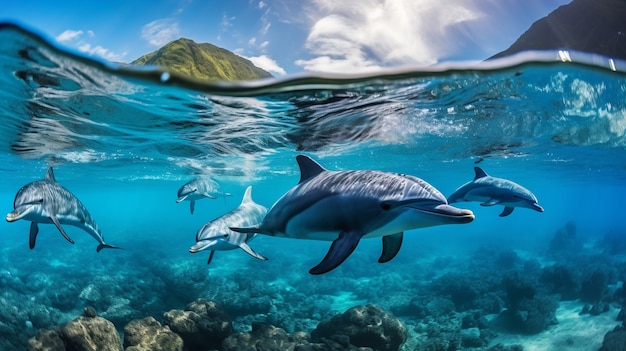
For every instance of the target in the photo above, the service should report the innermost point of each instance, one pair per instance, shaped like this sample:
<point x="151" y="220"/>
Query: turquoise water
<point x="124" y="139"/>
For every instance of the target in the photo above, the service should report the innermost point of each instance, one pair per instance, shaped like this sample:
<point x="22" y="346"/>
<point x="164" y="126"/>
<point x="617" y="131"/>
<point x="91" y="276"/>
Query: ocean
<point x="124" y="139"/>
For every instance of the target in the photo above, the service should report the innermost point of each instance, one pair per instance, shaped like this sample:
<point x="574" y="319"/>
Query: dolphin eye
<point x="385" y="206"/>
<point x="226" y="235"/>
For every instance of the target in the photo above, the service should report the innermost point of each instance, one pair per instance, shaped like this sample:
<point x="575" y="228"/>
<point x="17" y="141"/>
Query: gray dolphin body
<point x="345" y="206"/>
<point x="199" y="188"/>
<point x="216" y="234"/>
<point x="46" y="201"/>
<point x="492" y="191"/>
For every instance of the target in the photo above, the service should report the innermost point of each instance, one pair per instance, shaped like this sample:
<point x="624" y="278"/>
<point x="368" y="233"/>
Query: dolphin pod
<point x="216" y="234"/>
<point x="346" y="206"/>
<point x="338" y="206"/>
<point x="46" y="201"/>
<point x="492" y="191"/>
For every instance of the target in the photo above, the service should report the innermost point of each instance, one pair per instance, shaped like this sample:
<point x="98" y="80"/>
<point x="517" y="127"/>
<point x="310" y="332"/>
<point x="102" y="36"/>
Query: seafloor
<point x="566" y="295"/>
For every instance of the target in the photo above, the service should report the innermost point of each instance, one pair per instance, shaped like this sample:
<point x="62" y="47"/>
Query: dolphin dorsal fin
<point x="247" y="196"/>
<point x="50" y="175"/>
<point x="308" y="168"/>
<point x="480" y="173"/>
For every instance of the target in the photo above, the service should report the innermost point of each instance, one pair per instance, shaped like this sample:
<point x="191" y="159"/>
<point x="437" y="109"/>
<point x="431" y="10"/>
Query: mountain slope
<point x="203" y="61"/>
<point x="594" y="26"/>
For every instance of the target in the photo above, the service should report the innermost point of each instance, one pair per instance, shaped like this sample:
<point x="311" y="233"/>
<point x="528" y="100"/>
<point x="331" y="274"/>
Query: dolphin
<point x="492" y="191"/>
<point x="216" y="234"/>
<point x="46" y="201"/>
<point x="345" y="206"/>
<point x="199" y="188"/>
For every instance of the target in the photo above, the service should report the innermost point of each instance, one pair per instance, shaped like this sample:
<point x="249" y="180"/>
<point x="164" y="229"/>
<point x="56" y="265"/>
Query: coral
<point x="46" y="340"/>
<point x="528" y="311"/>
<point x="594" y="285"/>
<point x="531" y="315"/>
<point x="365" y="326"/>
<point x="147" y="334"/>
<point x="565" y="243"/>
<point x="562" y="280"/>
<point x="203" y="324"/>
<point x="90" y="333"/>
<point x="615" y="340"/>
<point x="264" y="337"/>
<point x="462" y="290"/>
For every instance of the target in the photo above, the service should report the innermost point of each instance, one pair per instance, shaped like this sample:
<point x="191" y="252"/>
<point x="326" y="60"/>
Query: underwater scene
<point x="451" y="207"/>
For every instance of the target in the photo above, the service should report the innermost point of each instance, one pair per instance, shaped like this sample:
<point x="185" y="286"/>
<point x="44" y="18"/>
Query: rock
<point x="470" y="337"/>
<point x="264" y="337"/>
<point x="203" y="325"/>
<point x="364" y="326"/>
<point x="147" y="334"/>
<point x="91" y="333"/>
<point x="46" y="340"/>
<point x="615" y="340"/>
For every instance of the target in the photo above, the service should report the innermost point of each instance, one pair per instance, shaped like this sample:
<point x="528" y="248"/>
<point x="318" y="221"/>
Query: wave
<point x="63" y="107"/>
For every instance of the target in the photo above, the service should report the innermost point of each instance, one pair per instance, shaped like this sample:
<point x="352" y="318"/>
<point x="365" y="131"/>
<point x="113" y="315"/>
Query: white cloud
<point x="101" y="52"/>
<point x="69" y="35"/>
<point x="262" y="4"/>
<point x="352" y="36"/>
<point x="268" y="64"/>
<point x="161" y="32"/>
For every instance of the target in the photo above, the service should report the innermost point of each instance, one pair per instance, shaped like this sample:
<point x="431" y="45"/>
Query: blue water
<point x="124" y="139"/>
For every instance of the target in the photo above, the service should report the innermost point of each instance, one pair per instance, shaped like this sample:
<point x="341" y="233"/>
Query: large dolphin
<point x="492" y="191"/>
<point x="46" y="201"/>
<point x="345" y="206"/>
<point x="216" y="234"/>
<point x="199" y="188"/>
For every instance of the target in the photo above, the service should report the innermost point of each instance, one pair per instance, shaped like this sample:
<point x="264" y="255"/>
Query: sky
<point x="289" y="36"/>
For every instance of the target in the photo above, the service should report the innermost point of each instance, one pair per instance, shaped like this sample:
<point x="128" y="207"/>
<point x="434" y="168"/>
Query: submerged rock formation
<point x="203" y="325"/>
<point x="147" y="334"/>
<point x="364" y="326"/>
<point x="87" y="332"/>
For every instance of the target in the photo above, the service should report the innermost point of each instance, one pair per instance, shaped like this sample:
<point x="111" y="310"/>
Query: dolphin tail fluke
<point x="507" y="211"/>
<point x="106" y="246"/>
<point x="34" y="229"/>
<point x="245" y="247"/>
<point x="58" y="225"/>
<point x="340" y="249"/>
<point x="391" y="246"/>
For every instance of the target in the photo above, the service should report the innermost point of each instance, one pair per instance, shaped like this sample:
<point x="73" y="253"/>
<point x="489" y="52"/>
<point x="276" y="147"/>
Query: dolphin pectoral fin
<point x="210" y="257"/>
<point x="245" y="247"/>
<point x="490" y="202"/>
<point x="58" y="225"/>
<point x="34" y="229"/>
<point x="192" y="205"/>
<point x="391" y="246"/>
<point x="340" y="249"/>
<point x="106" y="246"/>
<point x="507" y="211"/>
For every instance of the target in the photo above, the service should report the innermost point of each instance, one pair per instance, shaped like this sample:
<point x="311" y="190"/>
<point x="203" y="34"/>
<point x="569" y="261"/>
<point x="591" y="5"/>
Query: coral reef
<point x="365" y="326"/>
<point x="87" y="332"/>
<point x="202" y="325"/>
<point x="147" y="334"/>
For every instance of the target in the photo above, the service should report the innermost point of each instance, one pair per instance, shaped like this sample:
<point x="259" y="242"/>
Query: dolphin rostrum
<point x="345" y="206"/>
<point x="46" y="201"/>
<point x="216" y="234"/>
<point x="492" y="191"/>
<point x="199" y="188"/>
